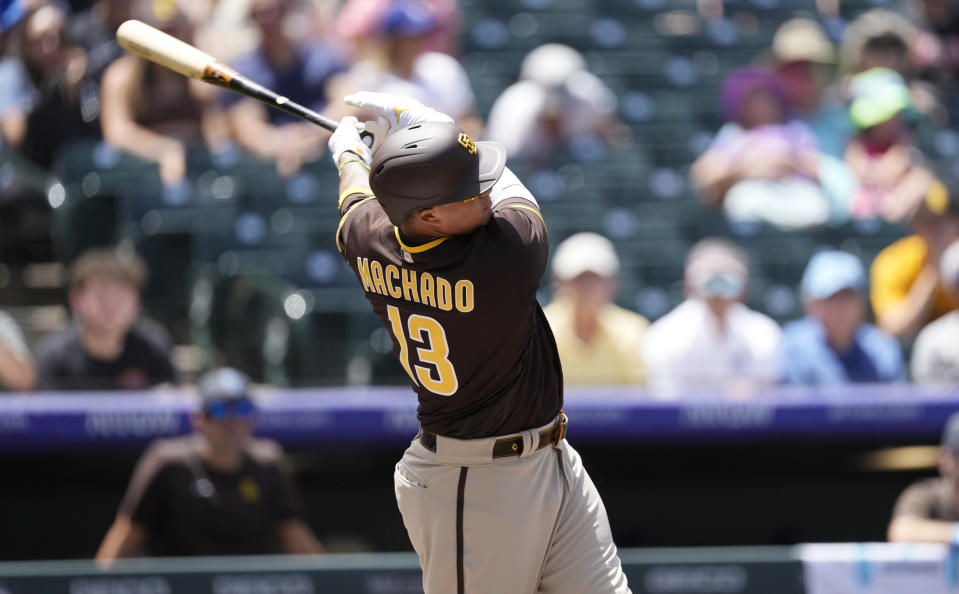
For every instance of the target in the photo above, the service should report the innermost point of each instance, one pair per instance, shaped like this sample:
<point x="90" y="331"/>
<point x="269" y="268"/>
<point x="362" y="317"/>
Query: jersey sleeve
<point x="288" y="505"/>
<point x="892" y="274"/>
<point x="350" y="200"/>
<point x="917" y="500"/>
<point x="143" y="497"/>
<point x="523" y="242"/>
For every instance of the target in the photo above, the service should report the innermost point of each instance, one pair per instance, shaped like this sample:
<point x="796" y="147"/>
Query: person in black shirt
<point x="218" y="491"/>
<point x="106" y="347"/>
<point x="928" y="510"/>
<point x="449" y="248"/>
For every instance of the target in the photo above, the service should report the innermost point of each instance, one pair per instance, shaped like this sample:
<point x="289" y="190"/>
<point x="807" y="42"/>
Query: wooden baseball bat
<point x="155" y="45"/>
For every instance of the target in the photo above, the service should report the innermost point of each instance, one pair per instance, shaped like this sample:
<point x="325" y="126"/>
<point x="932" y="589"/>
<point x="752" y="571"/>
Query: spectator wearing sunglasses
<point x="712" y="340"/>
<point x="219" y="491"/>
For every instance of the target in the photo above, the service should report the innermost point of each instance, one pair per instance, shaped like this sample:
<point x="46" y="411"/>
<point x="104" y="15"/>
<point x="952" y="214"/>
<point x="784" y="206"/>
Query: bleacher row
<point x="244" y="265"/>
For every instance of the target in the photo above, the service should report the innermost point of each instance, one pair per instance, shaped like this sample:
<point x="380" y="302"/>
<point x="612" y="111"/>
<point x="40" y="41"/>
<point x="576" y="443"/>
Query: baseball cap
<point x="551" y="64"/>
<point x="222" y="389"/>
<point x="878" y="94"/>
<point x="832" y="271"/>
<point x="802" y="40"/>
<point x="408" y="18"/>
<point x="585" y="252"/>
<point x="950" y="433"/>
<point x="11" y="11"/>
<point x="949" y="265"/>
<point x="432" y="164"/>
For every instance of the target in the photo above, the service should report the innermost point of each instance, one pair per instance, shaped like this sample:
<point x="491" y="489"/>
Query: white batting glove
<point x="398" y="111"/>
<point x="346" y="138"/>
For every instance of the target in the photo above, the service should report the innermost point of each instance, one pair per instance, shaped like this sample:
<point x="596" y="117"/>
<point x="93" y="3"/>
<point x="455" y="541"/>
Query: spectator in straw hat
<point x="805" y="60"/>
<point x="598" y="341"/>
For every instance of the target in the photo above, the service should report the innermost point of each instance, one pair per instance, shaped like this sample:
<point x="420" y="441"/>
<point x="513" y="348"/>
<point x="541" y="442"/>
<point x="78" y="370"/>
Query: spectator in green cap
<point x="883" y="156"/>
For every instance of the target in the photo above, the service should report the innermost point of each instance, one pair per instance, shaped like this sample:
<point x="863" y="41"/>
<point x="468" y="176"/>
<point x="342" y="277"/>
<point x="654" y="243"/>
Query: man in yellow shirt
<point x="907" y="292"/>
<point x="599" y="342"/>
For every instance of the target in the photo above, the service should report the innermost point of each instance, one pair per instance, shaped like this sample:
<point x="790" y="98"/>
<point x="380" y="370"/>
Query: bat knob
<point x="367" y="138"/>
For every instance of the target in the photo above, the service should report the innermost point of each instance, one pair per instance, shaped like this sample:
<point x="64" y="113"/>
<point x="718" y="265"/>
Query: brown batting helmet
<point x="431" y="164"/>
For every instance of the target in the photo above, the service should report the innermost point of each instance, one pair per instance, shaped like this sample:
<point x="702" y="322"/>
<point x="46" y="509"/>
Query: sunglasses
<point x="222" y="409"/>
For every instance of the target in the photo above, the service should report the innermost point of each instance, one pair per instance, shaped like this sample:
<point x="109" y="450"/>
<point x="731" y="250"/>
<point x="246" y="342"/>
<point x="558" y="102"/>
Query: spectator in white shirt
<point x="712" y="341"/>
<point x="935" y="356"/>
<point x="555" y="103"/>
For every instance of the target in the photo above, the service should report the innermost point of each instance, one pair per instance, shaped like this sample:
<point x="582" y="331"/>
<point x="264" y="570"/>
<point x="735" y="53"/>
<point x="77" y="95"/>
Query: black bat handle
<point x="245" y="86"/>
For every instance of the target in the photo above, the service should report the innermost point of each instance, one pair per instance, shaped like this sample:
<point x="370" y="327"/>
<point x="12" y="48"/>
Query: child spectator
<point x="106" y="347"/>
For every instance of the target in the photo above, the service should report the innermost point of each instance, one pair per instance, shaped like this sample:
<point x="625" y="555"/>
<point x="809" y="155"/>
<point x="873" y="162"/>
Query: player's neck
<point x="222" y="460"/>
<point x="415" y="234"/>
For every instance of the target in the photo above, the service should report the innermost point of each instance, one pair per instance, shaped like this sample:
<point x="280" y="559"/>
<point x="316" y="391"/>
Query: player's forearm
<point x="13" y="128"/>
<point x="253" y="131"/>
<point x="137" y="140"/>
<point x="916" y="529"/>
<point x="296" y="538"/>
<point x="123" y="539"/>
<point x="353" y="173"/>
<point x="713" y="176"/>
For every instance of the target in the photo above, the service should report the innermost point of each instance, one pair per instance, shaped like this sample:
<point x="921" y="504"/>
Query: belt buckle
<point x="560" y="430"/>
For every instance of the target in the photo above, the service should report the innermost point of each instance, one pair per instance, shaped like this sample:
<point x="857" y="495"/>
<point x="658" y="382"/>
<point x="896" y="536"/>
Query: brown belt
<point x="511" y="446"/>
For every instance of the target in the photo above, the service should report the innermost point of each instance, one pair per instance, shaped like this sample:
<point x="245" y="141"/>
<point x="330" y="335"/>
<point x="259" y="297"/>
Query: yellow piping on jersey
<point x="350" y="191"/>
<point x="420" y="248"/>
<point x="343" y="220"/>
<point x="532" y="210"/>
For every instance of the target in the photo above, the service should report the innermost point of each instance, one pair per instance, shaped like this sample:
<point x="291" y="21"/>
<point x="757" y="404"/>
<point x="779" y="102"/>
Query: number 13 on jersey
<point x="439" y="377"/>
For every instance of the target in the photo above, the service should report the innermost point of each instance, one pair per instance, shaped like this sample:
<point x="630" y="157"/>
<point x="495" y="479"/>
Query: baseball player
<point x="449" y="247"/>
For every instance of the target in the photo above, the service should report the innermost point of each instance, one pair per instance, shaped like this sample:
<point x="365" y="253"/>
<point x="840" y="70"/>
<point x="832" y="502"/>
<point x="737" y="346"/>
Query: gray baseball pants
<point x="526" y="524"/>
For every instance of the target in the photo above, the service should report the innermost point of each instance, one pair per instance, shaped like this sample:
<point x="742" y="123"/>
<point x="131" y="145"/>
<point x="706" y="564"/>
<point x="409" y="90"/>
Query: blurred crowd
<point x="821" y="128"/>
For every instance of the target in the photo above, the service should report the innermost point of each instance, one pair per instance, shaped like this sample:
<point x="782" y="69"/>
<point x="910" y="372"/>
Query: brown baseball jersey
<point x="463" y="316"/>
<point x="933" y="499"/>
